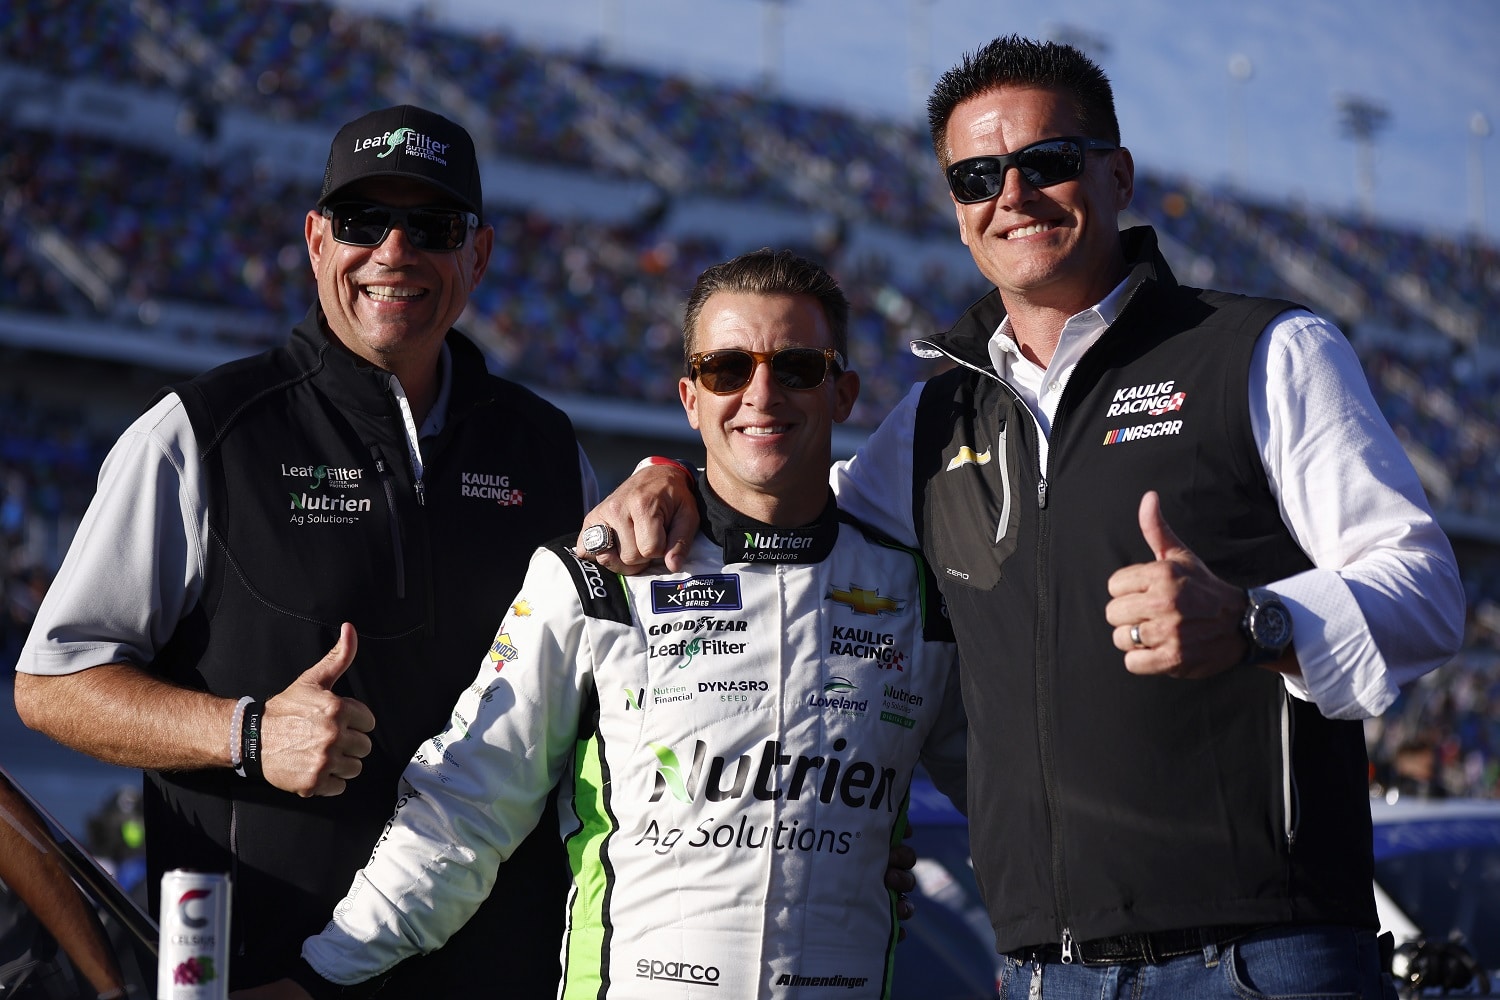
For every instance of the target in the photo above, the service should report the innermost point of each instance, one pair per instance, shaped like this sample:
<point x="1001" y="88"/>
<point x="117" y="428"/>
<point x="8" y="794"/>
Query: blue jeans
<point x="1295" y="961"/>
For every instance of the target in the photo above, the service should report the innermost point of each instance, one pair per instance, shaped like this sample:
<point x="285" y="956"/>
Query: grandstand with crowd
<point x="159" y="157"/>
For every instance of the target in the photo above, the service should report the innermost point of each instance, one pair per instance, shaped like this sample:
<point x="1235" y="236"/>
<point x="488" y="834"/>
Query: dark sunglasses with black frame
<point x="728" y="371"/>
<point x="365" y="224"/>
<point x="1043" y="164"/>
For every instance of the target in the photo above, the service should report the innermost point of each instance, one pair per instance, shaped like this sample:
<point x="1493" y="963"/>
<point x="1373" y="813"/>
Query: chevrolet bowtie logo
<point x="966" y="456"/>
<point x="866" y="602"/>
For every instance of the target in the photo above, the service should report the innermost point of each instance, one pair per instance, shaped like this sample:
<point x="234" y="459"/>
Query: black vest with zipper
<point x="315" y="518"/>
<point x="1101" y="802"/>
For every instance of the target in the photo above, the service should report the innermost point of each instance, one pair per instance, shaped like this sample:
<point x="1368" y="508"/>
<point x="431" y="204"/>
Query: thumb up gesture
<point x="314" y="741"/>
<point x="1173" y="616"/>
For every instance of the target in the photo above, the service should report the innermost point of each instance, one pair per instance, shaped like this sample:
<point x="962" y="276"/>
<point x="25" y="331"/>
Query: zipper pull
<point x="421" y="493"/>
<point x="1067" y="947"/>
<point x="1035" y="990"/>
<point x="1041" y="494"/>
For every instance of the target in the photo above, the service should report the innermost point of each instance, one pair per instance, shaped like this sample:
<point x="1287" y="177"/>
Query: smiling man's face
<point x="392" y="304"/>
<point x="1058" y="246"/>
<point x="768" y="447"/>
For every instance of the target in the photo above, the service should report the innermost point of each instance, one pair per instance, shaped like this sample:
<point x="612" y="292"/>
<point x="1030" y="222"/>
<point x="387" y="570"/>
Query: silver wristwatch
<point x="1267" y="627"/>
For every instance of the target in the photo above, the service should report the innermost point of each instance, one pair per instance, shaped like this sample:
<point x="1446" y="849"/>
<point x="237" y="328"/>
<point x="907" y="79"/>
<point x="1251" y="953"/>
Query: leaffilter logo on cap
<point x="394" y="142"/>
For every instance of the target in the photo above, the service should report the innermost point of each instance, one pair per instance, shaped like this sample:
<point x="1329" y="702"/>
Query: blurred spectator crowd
<point x="593" y="307"/>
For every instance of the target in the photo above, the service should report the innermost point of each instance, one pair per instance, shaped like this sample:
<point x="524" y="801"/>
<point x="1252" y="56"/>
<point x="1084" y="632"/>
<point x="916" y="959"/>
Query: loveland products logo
<point x="835" y="698"/>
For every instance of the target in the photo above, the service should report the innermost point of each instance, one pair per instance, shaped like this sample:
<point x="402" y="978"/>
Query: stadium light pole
<point x="1240" y="72"/>
<point x="609" y="27"/>
<point x="1361" y="119"/>
<point x="773" y="24"/>
<point x="919" y="77"/>
<point x="1479" y="130"/>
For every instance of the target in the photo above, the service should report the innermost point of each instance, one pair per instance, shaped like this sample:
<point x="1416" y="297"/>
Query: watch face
<point x="1271" y="625"/>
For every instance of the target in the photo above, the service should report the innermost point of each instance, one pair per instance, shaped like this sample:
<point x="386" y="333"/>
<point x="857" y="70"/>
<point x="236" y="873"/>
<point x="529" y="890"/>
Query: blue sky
<point x="1433" y="65"/>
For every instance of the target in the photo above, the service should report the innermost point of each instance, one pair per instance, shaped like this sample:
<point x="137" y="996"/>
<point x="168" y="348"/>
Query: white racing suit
<point x="734" y="744"/>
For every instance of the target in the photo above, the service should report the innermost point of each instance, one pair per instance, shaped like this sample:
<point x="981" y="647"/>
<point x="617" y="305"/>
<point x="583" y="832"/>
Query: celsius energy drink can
<point x="192" y="959"/>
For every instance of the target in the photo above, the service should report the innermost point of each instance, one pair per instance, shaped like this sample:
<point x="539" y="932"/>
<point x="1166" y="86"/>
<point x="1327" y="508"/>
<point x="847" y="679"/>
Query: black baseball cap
<point x="405" y="141"/>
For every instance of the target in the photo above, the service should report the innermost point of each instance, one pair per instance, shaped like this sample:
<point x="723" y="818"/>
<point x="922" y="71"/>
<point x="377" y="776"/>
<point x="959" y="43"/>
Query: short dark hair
<point x="769" y="272"/>
<point x="1013" y="61"/>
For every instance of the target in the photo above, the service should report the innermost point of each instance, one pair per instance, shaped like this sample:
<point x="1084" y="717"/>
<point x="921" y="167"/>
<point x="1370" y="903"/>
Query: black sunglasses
<point x="1051" y="161"/>
<point x="729" y="371"/>
<point x="362" y="224"/>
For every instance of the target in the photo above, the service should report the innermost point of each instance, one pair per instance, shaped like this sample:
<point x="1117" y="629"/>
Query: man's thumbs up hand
<point x="313" y="740"/>
<point x="1174" y="616"/>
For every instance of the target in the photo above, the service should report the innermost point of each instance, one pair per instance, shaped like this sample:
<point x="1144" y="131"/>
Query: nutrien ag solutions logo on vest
<point x="315" y="503"/>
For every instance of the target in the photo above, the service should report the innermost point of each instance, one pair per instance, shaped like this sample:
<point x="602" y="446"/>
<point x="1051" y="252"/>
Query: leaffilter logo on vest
<point x="335" y="477"/>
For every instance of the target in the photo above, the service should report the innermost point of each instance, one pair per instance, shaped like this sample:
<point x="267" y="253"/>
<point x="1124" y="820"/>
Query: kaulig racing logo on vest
<point x="1154" y="399"/>
<point x="490" y="486"/>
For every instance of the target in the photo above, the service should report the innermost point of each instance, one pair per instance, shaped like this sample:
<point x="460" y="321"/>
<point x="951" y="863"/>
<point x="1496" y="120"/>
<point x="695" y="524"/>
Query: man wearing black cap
<point x="292" y="561"/>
